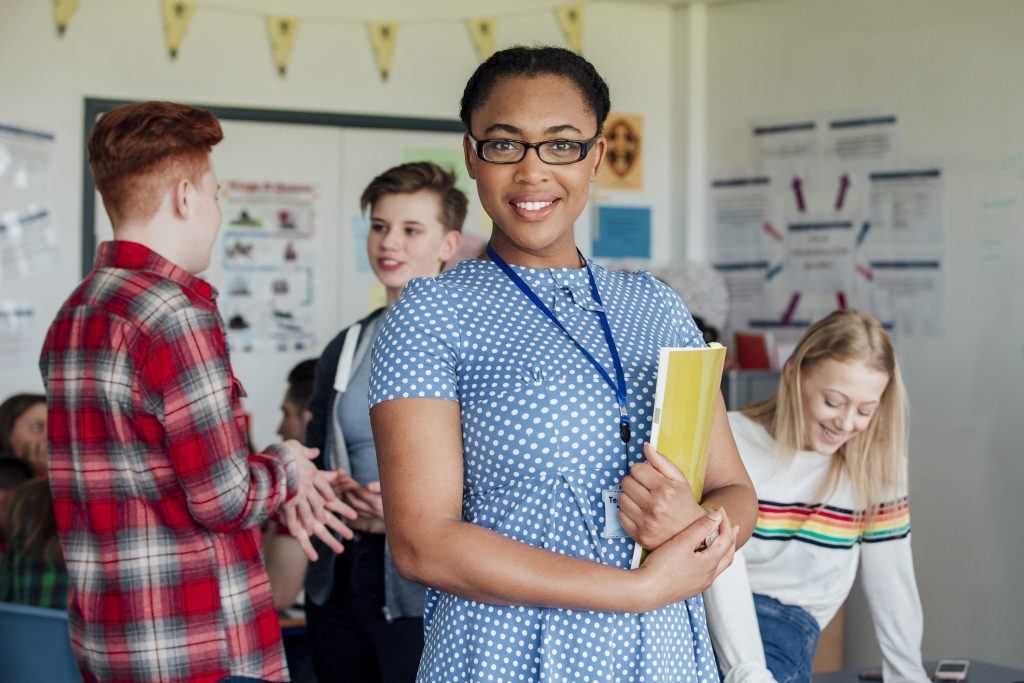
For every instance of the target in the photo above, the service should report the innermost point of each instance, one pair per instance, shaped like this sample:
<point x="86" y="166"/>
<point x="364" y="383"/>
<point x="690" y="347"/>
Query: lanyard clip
<point x="624" y="431"/>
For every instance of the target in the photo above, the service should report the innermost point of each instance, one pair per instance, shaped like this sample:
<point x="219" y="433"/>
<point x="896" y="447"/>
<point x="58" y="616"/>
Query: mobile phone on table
<point x="951" y="670"/>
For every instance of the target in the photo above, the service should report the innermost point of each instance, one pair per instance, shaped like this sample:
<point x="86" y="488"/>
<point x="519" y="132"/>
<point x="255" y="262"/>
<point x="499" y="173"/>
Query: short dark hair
<point x="300" y="382"/>
<point x="10" y="410"/>
<point x="416" y="176"/>
<point x="134" y="147"/>
<point x="522" y="61"/>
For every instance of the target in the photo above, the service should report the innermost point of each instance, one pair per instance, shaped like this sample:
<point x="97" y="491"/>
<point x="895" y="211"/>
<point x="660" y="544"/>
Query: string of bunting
<point x="283" y="29"/>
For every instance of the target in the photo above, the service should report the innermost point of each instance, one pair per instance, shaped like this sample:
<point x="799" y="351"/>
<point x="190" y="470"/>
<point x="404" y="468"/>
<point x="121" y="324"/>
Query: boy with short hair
<point x="157" y="500"/>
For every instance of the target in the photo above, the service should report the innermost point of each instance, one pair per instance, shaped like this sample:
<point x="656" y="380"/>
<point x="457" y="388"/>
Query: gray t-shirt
<point x="355" y="424"/>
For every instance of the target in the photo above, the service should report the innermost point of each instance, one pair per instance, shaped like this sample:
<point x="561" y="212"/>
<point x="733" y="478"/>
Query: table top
<point x="977" y="672"/>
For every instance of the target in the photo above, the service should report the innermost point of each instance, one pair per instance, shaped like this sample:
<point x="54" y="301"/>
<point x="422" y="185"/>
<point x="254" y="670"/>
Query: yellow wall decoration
<point x="570" y="18"/>
<point x="177" y="16"/>
<point x="383" y="35"/>
<point x="282" y="38"/>
<point x="482" y="33"/>
<point x="623" y="159"/>
<point x="63" y="10"/>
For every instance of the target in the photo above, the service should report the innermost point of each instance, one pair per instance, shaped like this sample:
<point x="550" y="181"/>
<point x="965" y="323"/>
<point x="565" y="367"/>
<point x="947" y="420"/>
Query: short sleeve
<point x="416" y="353"/>
<point x="685" y="331"/>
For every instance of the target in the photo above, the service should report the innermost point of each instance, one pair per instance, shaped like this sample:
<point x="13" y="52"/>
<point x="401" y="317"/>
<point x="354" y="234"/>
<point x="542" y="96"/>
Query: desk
<point x="978" y="672"/>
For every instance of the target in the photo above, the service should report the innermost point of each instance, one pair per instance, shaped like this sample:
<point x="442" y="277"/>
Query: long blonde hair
<point x="875" y="459"/>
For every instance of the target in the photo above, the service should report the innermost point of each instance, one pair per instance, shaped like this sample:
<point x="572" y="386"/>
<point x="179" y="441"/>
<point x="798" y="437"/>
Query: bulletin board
<point x="290" y="261"/>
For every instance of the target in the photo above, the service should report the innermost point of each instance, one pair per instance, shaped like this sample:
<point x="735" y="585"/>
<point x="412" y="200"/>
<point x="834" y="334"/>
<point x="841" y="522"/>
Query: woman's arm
<point x="887" y="575"/>
<point x="732" y="623"/>
<point x="727" y="484"/>
<point x="419" y="451"/>
<point x="657" y="500"/>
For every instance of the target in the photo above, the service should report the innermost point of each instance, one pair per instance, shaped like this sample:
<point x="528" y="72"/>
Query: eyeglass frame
<point x="585" y="147"/>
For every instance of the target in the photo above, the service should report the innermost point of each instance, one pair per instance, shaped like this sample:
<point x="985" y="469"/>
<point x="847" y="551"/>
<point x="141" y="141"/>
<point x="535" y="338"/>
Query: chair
<point x="35" y="645"/>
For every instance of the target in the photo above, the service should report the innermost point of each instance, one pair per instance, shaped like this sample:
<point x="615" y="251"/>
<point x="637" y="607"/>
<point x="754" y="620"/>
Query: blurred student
<point x="366" y="621"/>
<point x="285" y="559"/>
<point x="13" y="473"/>
<point x="23" y="429"/>
<point x="828" y="457"/>
<point x="35" y="564"/>
<point x="157" y="499"/>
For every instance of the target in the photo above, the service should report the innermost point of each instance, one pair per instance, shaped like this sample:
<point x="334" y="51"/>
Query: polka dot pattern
<point x="541" y="441"/>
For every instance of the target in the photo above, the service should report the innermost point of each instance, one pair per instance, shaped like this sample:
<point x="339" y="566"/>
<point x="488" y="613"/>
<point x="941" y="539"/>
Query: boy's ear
<point x="452" y="240"/>
<point x="182" y="198"/>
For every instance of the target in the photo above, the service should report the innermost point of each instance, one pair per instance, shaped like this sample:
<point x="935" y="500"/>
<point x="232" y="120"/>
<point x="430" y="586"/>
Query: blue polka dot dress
<point x="541" y="442"/>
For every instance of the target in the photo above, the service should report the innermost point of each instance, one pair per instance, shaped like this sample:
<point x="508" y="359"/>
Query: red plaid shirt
<point x="157" y="499"/>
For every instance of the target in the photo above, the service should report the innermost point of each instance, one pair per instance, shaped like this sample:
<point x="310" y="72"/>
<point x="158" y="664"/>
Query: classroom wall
<point x="946" y="67"/>
<point x="115" y="49"/>
<point x="950" y="71"/>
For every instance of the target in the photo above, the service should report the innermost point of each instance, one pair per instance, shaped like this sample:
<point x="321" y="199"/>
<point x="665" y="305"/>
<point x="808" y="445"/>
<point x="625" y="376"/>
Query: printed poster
<point x="268" y="255"/>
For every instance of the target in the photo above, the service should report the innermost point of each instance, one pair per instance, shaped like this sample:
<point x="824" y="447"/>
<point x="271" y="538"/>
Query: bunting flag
<point x="383" y="35"/>
<point x="482" y="33"/>
<point x="177" y="16"/>
<point x="63" y="10"/>
<point x="282" y="39"/>
<point x="570" y="17"/>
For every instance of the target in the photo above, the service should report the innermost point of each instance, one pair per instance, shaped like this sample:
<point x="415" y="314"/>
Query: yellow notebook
<point x="684" y="406"/>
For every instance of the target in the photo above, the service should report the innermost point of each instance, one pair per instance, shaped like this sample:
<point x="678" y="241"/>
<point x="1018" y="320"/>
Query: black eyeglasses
<point x="554" y="152"/>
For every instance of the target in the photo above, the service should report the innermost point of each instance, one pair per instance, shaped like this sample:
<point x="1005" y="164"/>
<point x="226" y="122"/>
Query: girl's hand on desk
<point x="682" y="567"/>
<point x="657" y="501"/>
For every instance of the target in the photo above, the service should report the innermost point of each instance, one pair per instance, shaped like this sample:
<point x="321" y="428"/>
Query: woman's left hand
<point x="656" y="501"/>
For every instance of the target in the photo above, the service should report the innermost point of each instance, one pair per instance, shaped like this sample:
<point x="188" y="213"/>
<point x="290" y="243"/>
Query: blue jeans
<point x="241" y="679"/>
<point x="790" y="638"/>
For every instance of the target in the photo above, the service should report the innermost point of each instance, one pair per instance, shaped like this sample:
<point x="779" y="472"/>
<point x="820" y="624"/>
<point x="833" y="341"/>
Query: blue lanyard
<point x="619" y="385"/>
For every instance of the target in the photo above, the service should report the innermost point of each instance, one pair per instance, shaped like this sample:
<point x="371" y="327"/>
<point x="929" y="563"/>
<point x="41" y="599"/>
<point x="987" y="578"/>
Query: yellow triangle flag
<point x="482" y="33"/>
<point x="177" y="15"/>
<point x="383" y="35"/>
<point x="282" y="39"/>
<point x="63" y="10"/>
<point x="571" y="19"/>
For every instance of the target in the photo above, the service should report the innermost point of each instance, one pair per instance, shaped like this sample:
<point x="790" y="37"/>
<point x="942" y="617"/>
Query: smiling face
<point x="407" y="239"/>
<point x="839" y="400"/>
<point x="533" y="204"/>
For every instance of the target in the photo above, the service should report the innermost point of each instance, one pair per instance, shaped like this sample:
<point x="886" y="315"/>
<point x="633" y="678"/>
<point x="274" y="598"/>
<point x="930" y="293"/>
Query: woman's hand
<point x="683" y="566"/>
<point x="656" y="501"/>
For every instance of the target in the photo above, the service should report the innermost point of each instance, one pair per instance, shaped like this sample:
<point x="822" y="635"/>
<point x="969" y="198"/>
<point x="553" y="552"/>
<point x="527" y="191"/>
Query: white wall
<point x="947" y="66"/>
<point x="115" y="49"/>
<point x="950" y="70"/>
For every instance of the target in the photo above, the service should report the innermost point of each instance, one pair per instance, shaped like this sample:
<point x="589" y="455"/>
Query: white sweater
<point x="806" y="554"/>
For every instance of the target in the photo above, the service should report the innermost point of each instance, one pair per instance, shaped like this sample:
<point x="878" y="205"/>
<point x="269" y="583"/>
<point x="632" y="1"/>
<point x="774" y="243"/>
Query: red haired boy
<point x="157" y="499"/>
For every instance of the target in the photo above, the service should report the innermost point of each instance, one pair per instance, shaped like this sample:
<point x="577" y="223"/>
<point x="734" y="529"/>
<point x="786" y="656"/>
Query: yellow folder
<point x="684" y="406"/>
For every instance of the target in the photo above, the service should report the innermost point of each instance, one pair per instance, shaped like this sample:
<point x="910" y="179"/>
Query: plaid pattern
<point x="35" y="582"/>
<point x="157" y="499"/>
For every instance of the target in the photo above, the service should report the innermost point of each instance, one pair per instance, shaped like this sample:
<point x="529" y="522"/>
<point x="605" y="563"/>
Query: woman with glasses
<point x="511" y="401"/>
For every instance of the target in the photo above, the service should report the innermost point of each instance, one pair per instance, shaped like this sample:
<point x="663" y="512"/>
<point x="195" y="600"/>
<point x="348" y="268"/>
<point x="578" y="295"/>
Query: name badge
<point x="612" y="527"/>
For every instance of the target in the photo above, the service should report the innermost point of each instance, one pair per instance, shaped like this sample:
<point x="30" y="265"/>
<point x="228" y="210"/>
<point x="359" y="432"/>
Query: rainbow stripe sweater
<point x="807" y="552"/>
